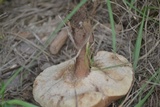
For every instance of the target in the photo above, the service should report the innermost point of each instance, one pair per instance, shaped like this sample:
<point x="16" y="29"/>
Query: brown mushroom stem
<point x="82" y="66"/>
<point x="81" y="37"/>
<point x="82" y="31"/>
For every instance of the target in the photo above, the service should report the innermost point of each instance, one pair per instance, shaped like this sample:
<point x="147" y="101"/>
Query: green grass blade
<point x="19" y="102"/>
<point x="132" y="7"/>
<point x="145" y="85"/>
<point x="131" y="4"/>
<point x="141" y="13"/>
<point x="138" y="43"/>
<point x="10" y="80"/>
<point x="112" y="25"/>
<point x="114" y="66"/>
<point x="141" y="102"/>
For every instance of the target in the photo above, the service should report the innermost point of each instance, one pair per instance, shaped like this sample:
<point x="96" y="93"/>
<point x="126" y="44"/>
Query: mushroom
<point x="109" y="79"/>
<point x="78" y="82"/>
<point x="58" y="42"/>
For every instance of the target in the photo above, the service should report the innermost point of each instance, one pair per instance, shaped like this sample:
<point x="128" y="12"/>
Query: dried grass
<point x="29" y="17"/>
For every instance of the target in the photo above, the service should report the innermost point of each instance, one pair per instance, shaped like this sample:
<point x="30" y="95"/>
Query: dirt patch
<point x="25" y="26"/>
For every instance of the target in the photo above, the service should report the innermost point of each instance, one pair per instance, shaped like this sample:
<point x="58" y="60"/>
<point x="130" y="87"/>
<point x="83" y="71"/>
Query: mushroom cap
<point x="109" y="79"/>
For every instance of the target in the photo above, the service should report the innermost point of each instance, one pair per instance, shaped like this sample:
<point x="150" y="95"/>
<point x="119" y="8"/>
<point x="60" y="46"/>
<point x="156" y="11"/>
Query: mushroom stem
<point x="82" y="31"/>
<point x="82" y="66"/>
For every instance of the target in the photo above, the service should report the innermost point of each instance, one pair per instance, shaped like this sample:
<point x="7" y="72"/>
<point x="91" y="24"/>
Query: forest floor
<point x="25" y="26"/>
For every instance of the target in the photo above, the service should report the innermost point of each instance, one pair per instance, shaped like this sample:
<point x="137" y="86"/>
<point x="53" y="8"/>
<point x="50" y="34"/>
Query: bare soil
<point x="25" y="26"/>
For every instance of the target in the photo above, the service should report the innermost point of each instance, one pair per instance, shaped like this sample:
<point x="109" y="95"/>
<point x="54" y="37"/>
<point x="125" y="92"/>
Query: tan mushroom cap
<point x="109" y="80"/>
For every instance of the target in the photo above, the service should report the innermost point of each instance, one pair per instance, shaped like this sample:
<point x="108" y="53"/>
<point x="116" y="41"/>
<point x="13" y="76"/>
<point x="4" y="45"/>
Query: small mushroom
<point x="58" y="42"/>
<point x="109" y="79"/>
